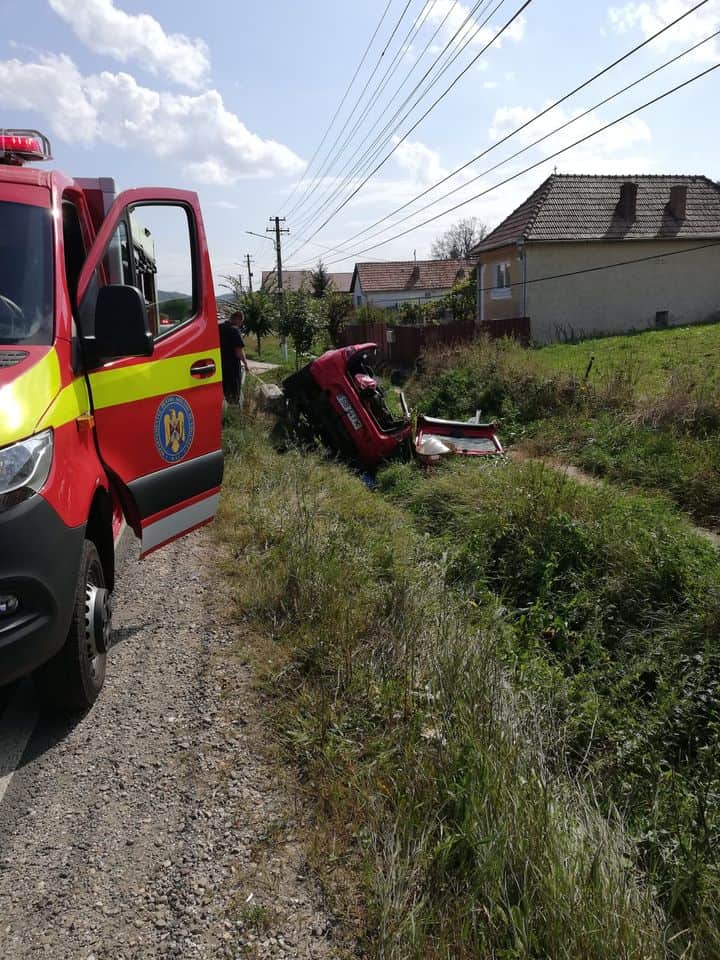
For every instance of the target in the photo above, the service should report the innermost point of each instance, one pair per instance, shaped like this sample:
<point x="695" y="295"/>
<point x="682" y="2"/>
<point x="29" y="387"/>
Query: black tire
<point x="74" y="677"/>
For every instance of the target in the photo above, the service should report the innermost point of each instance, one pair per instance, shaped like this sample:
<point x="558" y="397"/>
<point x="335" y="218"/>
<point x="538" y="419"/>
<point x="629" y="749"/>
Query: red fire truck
<point x="110" y="403"/>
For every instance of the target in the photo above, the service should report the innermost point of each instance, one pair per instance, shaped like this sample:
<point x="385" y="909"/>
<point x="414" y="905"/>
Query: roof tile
<point x="407" y="275"/>
<point x="586" y="207"/>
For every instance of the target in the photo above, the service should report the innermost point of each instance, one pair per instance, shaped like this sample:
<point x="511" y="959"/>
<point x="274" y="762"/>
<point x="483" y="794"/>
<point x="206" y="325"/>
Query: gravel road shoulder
<point x="158" y="826"/>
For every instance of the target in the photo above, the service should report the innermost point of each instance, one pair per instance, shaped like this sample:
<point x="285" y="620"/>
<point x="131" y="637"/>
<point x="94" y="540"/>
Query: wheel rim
<point x="98" y="614"/>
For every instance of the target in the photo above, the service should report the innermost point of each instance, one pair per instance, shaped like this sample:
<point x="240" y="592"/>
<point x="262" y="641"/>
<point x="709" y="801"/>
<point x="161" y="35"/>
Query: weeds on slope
<point x="614" y="609"/>
<point x="434" y="779"/>
<point x="661" y="435"/>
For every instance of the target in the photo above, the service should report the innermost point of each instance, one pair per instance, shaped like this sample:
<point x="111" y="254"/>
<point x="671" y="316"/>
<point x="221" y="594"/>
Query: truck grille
<point x="8" y="358"/>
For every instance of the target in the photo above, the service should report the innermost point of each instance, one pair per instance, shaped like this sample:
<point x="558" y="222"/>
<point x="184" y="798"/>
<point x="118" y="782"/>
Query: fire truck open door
<point x="157" y="418"/>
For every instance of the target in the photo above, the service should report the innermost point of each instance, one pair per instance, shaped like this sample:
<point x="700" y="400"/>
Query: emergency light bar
<point x="17" y="146"/>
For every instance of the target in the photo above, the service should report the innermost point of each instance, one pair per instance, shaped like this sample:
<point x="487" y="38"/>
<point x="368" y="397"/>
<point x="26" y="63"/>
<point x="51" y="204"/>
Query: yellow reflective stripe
<point x="69" y="404"/>
<point x="24" y="400"/>
<point x="155" y="378"/>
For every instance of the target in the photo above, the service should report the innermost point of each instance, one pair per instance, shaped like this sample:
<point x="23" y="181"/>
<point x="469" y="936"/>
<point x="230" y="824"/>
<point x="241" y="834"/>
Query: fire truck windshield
<point x="26" y="273"/>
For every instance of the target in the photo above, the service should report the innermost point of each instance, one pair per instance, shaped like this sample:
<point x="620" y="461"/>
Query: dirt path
<point x="156" y="827"/>
<point x="518" y="454"/>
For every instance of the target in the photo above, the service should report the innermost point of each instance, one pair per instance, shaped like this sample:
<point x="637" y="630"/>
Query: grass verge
<point x="641" y="416"/>
<point x="614" y="610"/>
<point x="439" y="780"/>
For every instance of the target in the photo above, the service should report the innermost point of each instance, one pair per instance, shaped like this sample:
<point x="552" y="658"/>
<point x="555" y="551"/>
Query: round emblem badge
<point x="174" y="428"/>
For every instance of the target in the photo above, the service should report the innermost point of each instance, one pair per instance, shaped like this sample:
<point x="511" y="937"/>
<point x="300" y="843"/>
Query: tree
<point x="232" y="301"/>
<point x="458" y="240"/>
<point x="260" y="315"/>
<point x="298" y="321"/>
<point x="336" y="307"/>
<point x="319" y="280"/>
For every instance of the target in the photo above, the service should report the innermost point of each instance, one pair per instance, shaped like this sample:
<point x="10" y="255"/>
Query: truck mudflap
<point x="37" y="585"/>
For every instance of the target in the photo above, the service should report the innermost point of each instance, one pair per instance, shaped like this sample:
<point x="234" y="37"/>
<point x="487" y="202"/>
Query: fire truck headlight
<point x="24" y="468"/>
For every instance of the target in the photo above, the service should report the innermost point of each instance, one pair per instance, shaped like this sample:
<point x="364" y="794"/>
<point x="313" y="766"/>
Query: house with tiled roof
<point x="392" y="283"/>
<point x="561" y="258"/>
<point x="301" y="280"/>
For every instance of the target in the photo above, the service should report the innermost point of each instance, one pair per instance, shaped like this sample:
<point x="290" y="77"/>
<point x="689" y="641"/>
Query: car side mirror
<point x="121" y="326"/>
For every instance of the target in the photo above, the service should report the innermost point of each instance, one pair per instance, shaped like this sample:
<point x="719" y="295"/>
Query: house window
<point x="502" y="275"/>
<point x="502" y="288"/>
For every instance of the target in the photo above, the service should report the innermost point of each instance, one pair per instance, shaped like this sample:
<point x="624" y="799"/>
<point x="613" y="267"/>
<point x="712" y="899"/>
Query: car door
<point x="158" y="418"/>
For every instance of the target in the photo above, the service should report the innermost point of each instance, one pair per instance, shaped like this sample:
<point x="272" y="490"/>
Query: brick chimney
<point x="678" y="201"/>
<point x="628" y="202"/>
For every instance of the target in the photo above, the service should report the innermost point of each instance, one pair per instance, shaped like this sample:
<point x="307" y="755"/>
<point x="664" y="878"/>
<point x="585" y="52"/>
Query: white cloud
<point x="52" y="86"/>
<point x="419" y="161"/>
<point x="649" y="17"/>
<point x="491" y="84"/>
<point x="107" y="30"/>
<point x="211" y="142"/>
<point x="457" y="14"/>
<point x="605" y="151"/>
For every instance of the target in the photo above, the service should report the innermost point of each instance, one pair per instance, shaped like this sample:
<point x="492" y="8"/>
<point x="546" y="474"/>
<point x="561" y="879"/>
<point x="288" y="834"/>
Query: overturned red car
<point x="337" y="399"/>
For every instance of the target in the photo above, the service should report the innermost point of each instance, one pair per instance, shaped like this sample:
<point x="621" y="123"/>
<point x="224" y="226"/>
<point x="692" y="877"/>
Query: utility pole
<point x="250" y="273"/>
<point x="277" y="229"/>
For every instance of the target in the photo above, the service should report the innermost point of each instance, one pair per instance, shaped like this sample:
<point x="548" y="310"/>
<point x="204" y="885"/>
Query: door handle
<point x="202" y="369"/>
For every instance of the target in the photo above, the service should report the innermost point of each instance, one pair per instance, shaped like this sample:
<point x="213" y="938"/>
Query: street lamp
<point x="263" y="236"/>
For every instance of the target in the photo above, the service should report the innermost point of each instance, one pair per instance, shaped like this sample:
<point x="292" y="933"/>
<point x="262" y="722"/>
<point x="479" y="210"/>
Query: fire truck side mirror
<point x="121" y="326"/>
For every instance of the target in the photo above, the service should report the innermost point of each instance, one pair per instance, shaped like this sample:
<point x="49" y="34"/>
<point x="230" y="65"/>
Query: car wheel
<point x="74" y="677"/>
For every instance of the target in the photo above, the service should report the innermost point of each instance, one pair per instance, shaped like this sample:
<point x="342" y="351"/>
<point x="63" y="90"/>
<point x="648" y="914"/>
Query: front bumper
<point x="39" y="562"/>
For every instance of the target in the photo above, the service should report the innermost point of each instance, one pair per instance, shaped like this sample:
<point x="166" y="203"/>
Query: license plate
<point x="350" y="412"/>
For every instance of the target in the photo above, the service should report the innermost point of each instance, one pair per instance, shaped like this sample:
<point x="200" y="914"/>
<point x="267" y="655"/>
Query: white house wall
<point x="621" y="299"/>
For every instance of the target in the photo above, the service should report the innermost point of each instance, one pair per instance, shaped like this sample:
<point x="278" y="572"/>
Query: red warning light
<point x="17" y="146"/>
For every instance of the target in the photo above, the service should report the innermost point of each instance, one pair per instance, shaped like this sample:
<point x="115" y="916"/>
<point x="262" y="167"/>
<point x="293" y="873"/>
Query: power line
<point x="432" y="106"/>
<point x="337" y="151"/>
<point x="539" y="140"/>
<point x="342" y="101"/>
<point x="430" y="69"/>
<point x="584" y="270"/>
<point x="383" y="83"/>
<point x="527" y="123"/>
<point x="397" y="27"/>
<point x="533" y="166"/>
<point x="323" y="166"/>
<point x="371" y="152"/>
<point x="326" y="249"/>
<point x="608" y="266"/>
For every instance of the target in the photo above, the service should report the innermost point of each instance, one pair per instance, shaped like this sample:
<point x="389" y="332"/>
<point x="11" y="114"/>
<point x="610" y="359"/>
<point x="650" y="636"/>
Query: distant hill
<point x="164" y="295"/>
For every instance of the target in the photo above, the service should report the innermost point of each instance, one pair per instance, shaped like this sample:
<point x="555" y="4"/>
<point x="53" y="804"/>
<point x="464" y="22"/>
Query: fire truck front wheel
<point x="74" y="677"/>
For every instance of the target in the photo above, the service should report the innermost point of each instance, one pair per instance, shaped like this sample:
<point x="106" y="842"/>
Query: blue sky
<point x="231" y="100"/>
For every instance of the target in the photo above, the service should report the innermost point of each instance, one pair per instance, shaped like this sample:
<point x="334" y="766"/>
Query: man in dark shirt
<point x="232" y="355"/>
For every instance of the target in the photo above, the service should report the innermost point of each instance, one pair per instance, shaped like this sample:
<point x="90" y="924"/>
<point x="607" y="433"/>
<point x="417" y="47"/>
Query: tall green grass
<point x="614" y="610"/>
<point x="438" y="780"/>
<point x="637" y="418"/>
